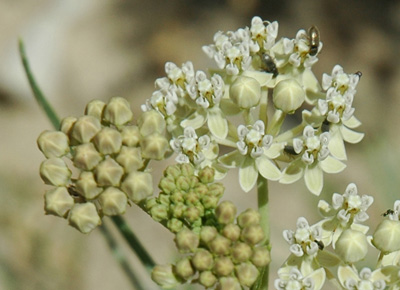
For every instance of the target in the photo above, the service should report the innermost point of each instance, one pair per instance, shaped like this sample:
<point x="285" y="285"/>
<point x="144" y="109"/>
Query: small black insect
<point x="388" y="212"/>
<point x="359" y="74"/>
<point x="320" y="244"/>
<point x="269" y="64"/>
<point x="325" y="126"/>
<point x="290" y="149"/>
<point x="313" y="38"/>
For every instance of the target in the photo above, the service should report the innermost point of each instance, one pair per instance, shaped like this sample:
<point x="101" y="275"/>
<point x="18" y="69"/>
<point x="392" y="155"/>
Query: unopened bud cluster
<point x="94" y="162"/>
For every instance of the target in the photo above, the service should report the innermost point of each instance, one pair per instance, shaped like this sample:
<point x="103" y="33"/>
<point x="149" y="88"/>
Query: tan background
<point x="81" y="50"/>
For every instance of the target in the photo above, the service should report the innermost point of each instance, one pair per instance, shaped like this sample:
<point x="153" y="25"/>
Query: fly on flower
<point x="269" y="64"/>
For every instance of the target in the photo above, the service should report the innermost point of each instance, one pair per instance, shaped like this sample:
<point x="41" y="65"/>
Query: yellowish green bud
<point x="228" y="283"/>
<point x="67" y="124"/>
<point x="216" y="189"/>
<point x="352" y="246"/>
<point x="248" y="217"/>
<point x="223" y="266"/>
<point x="203" y="260"/>
<point x="207" y="279"/>
<point x="55" y="172"/>
<point x="173" y="171"/>
<point x="192" y="214"/>
<point x="150" y="202"/>
<point x="178" y="210"/>
<point x="113" y="201"/>
<point x="164" y="199"/>
<point x="206" y="175"/>
<point x="95" y="108"/>
<point x="209" y="202"/>
<point x="191" y="198"/>
<point x="186" y="241"/>
<point x="288" y="95"/>
<point x="177" y="197"/>
<point x="130" y="136"/>
<point x="85" y="128"/>
<point x="174" y="225"/>
<point x="108" y="141"/>
<point x="241" y="252"/>
<point x="86" y="156"/>
<point x="247" y="274"/>
<point x="261" y="256"/>
<point x="118" y="111"/>
<point x="252" y="234"/>
<point x="53" y="143"/>
<point x="187" y="169"/>
<point x="183" y="183"/>
<point x="86" y="185"/>
<point x="386" y="237"/>
<point x="84" y="217"/>
<point x="164" y="276"/>
<point x="151" y="122"/>
<point x="159" y="212"/>
<point x="208" y="233"/>
<point x="220" y="245"/>
<point x="57" y="201"/>
<point x="183" y="269"/>
<point x="245" y="92"/>
<point x="138" y="186"/>
<point x="225" y="212"/>
<point x="167" y="184"/>
<point x="201" y="189"/>
<point x="130" y="158"/>
<point x="232" y="232"/>
<point x="154" y="146"/>
<point x="109" y="173"/>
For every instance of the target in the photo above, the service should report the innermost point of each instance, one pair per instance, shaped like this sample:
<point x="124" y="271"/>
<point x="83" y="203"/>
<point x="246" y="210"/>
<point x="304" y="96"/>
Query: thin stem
<point x="276" y="123"/>
<point x="263" y="113"/>
<point x="379" y="262"/>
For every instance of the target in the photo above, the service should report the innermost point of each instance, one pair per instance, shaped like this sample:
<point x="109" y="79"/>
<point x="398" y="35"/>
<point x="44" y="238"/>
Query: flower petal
<point x="332" y="165"/>
<point x="292" y="173"/>
<point x="248" y="174"/>
<point x="350" y="135"/>
<point x="353" y="122"/>
<point x="336" y="144"/>
<point x="262" y="77"/>
<point x="217" y="123"/>
<point x="346" y="273"/>
<point x="267" y="168"/>
<point x="229" y="107"/>
<point x="232" y="159"/>
<point x="275" y="150"/>
<point x="314" y="179"/>
<point x="318" y="276"/>
<point x="195" y="120"/>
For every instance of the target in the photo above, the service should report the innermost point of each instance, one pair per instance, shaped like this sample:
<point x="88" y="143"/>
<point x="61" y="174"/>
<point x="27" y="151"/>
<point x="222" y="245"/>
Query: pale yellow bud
<point x="154" y="146"/>
<point x="164" y="276"/>
<point x="245" y="92"/>
<point x="207" y="279"/>
<point x="220" y="245"/>
<point x="138" y="186"/>
<point x="261" y="257"/>
<point x="85" y="128"/>
<point x="241" y="252"/>
<point x="86" y="185"/>
<point x="118" y="111"/>
<point x="108" y="173"/>
<point x="57" y="201"/>
<point x="86" y="156"/>
<point x="225" y="212"/>
<point x="208" y="233"/>
<point x="130" y="136"/>
<point x="55" y="172"/>
<point x="67" y="124"/>
<point x="53" y="143"/>
<point x="203" y="260"/>
<point x="248" y="217"/>
<point x="130" y="158"/>
<point x="232" y="232"/>
<point x="288" y="95"/>
<point x="151" y="122"/>
<point x="387" y="236"/>
<point x="113" y="201"/>
<point x="228" y="283"/>
<point x="352" y="246"/>
<point x="186" y="241"/>
<point x="247" y="274"/>
<point x="184" y="269"/>
<point x="252" y="234"/>
<point x="108" y="141"/>
<point x="223" y="266"/>
<point x="95" y="108"/>
<point x="84" y="217"/>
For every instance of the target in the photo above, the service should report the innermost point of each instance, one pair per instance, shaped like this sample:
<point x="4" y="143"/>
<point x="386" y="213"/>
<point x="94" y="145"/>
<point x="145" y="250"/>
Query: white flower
<point x="290" y="278"/>
<point x="366" y="279"/>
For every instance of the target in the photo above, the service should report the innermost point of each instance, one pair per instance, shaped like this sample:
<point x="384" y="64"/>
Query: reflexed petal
<point x="232" y="159"/>
<point x="292" y="173"/>
<point x="267" y="168"/>
<point x="195" y="120"/>
<point x="328" y="259"/>
<point x="332" y="165"/>
<point x="346" y="273"/>
<point x="318" y="277"/>
<point x="248" y="174"/>
<point x="314" y="179"/>
<point x="350" y="135"/>
<point x="229" y="108"/>
<point x="353" y="122"/>
<point x="217" y="123"/>
<point x="275" y="150"/>
<point x="389" y="273"/>
<point x="336" y="144"/>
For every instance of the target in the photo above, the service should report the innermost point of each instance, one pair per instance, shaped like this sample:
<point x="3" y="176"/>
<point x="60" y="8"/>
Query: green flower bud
<point x="225" y="212"/>
<point x="183" y="183"/>
<point x="248" y="217"/>
<point x="241" y="252"/>
<point x="118" y="111"/>
<point x="164" y="199"/>
<point x="186" y="241"/>
<point x="200" y="189"/>
<point x="202" y="260"/>
<point x="178" y="210"/>
<point x="193" y="181"/>
<point x="84" y="217"/>
<point x="247" y="274"/>
<point x="85" y="128"/>
<point x="208" y="233"/>
<point x="109" y="173"/>
<point x="154" y="146"/>
<point x="184" y="269"/>
<point x="151" y="122"/>
<point x="216" y="189"/>
<point x="57" y="201"/>
<point x="220" y="245"/>
<point x="223" y="266"/>
<point x="261" y="257"/>
<point x="352" y="246"/>
<point x="151" y="202"/>
<point x="53" y="143"/>
<point x="177" y="197"/>
<point x="209" y="202"/>
<point x="86" y="185"/>
<point x="228" y="283"/>
<point x="113" y="201"/>
<point x="138" y="186"/>
<point x="387" y="236"/>
<point x="206" y="175"/>
<point x="174" y="225"/>
<point x="164" y="276"/>
<point x="55" y="172"/>
<point x="173" y="171"/>
<point x="67" y="124"/>
<point x="130" y="136"/>
<point x="232" y="232"/>
<point x="191" y="198"/>
<point x="159" y="212"/>
<point x="187" y="169"/>
<point x="245" y="92"/>
<point x="207" y="279"/>
<point x="86" y="156"/>
<point x="108" y="141"/>
<point x="192" y="214"/>
<point x="252" y="234"/>
<point x="95" y="108"/>
<point x="288" y="95"/>
<point x="130" y="158"/>
<point x="167" y="184"/>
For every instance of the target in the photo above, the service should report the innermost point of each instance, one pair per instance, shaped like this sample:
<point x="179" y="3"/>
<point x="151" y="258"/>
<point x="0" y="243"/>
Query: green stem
<point x="263" y="113"/>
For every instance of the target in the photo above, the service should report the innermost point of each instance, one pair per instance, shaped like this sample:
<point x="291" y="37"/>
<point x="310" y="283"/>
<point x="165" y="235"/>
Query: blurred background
<point x="81" y="50"/>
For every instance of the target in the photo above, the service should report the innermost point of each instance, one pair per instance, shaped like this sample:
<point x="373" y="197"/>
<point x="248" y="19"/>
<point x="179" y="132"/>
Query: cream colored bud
<point x="118" y="111"/>
<point x="55" y="172"/>
<point x="113" y="201"/>
<point x="208" y="233"/>
<point x="248" y="217"/>
<point x="53" y="143"/>
<point x="184" y="269"/>
<point x="109" y="173"/>
<point x="220" y="245"/>
<point x="84" y="217"/>
<point x="95" y="108"/>
<point x="247" y="274"/>
<point x="207" y="279"/>
<point x="159" y="212"/>
<point x="261" y="257"/>
<point x="223" y="266"/>
<point x="167" y="184"/>
<point x="252" y="234"/>
<point x="138" y="186"/>
<point x="232" y="232"/>
<point x="151" y="122"/>
<point x="245" y="92"/>
<point x="164" y="276"/>
<point x="203" y="260"/>
<point x="192" y="214"/>
<point x="130" y="158"/>
<point x="86" y="156"/>
<point x="225" y="212"/>
<point x="352" y="246"/>
<point x="108" y="141"/>
<point x="228" y="283"/>
<point x="154" y="146"/>
<point x="241" y="252"/>
<point x="130" y="136"/>
<point x="187" y="241"/>
<point x="57" y="201"/>
<point x="67" y="124"/>
<point x="206" y="175"/>
<point x="386" y="237"/>
<point x="174" y="225"/>
<point x="288" y="95"/>
<point x="85" y="128"/>
<point x="86" y="185"/>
